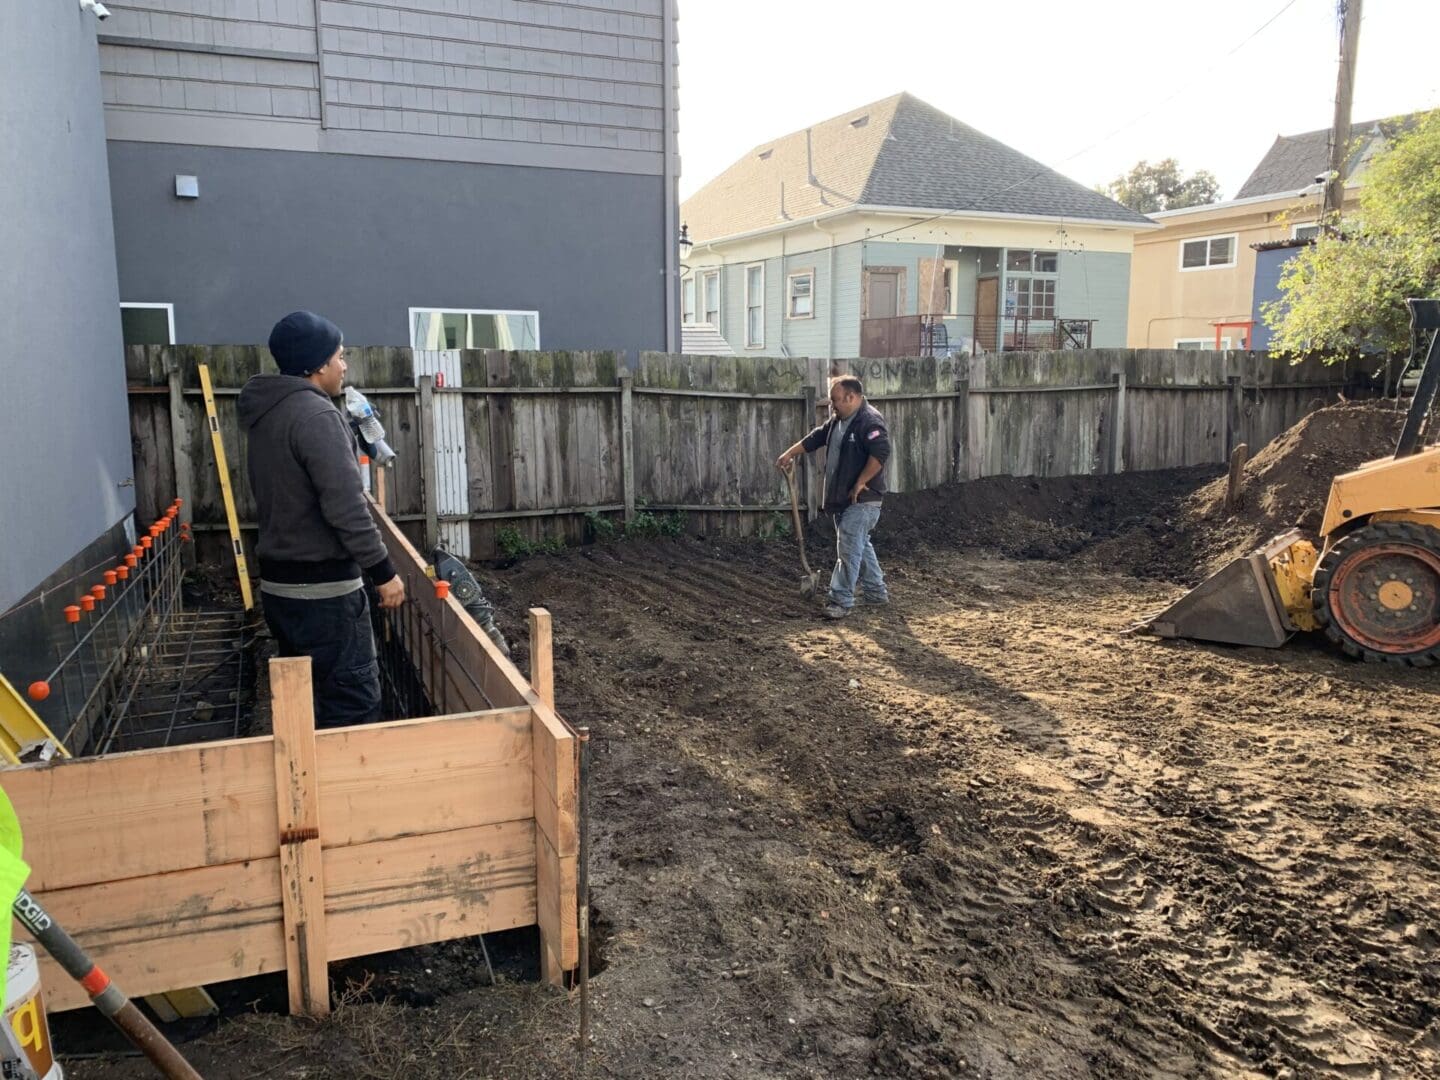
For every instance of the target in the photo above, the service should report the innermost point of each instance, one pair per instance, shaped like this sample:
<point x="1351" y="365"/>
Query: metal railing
<point x="1025" y="333"/>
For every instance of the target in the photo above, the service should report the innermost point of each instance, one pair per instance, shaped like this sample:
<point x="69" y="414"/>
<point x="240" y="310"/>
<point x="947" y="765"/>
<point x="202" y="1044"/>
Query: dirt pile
<point x="1030" y="517"/>
<point x="1285" y="486"/>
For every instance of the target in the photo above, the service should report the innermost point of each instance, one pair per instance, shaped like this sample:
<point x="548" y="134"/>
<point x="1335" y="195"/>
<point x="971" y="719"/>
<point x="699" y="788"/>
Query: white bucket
<point x="25" y="1052"/>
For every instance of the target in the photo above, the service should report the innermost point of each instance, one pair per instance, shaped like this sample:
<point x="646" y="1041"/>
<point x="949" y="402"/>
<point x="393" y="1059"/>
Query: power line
<point x="1188" y="88"/>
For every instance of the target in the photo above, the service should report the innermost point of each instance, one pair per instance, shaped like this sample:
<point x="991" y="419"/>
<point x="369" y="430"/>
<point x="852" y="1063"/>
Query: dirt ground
<point x="981" y="832"/>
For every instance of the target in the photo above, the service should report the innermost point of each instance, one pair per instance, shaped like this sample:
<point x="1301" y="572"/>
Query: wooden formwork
<point x="199" y="864"/>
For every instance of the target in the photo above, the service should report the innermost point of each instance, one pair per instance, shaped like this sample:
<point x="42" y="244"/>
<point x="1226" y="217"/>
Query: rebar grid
<point x="142" y="670"/>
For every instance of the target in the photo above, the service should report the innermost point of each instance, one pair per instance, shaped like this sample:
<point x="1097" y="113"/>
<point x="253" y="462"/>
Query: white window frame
<point x="951" y="267"/>
<point x="749" y="344"/>
<point x="692" y="283"/>
<point x="1204" y="343"/>
<point x="790" y="296"/>
<point x="169" y="313"/>
<point x="1297" y="226"/>
<point x="410" y="327"/>
<point x="702" y="276"/>
<point x="1234" y="239"/>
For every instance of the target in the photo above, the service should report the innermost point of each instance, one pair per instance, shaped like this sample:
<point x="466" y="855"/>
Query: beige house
<point x="1192" y="282"/>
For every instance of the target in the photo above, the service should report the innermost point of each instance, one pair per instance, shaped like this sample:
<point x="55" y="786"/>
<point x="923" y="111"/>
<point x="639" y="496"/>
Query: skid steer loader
<point x="1373" y="588"/>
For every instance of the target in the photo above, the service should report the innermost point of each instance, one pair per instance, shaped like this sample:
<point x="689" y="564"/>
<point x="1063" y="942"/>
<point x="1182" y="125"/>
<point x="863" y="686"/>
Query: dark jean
<point x="337" y="636"/>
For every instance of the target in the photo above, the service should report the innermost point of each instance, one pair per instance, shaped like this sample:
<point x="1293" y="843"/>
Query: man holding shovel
<point x="857" y="446"/>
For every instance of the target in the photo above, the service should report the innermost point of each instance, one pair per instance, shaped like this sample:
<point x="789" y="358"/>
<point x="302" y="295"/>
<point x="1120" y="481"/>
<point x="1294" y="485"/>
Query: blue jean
<point x="855" y="560"/>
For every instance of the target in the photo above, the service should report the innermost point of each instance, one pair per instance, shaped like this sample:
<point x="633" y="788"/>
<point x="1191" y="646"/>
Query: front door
<point x="883" y="299"/>
<point x="987" y="306"/>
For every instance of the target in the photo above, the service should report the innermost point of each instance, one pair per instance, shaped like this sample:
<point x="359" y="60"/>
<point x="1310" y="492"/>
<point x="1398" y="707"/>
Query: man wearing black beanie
<point x="316" y="533"/>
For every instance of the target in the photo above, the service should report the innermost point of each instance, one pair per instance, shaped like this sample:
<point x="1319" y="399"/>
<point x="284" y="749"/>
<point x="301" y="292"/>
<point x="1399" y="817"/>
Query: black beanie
<point x="303" y="341"/>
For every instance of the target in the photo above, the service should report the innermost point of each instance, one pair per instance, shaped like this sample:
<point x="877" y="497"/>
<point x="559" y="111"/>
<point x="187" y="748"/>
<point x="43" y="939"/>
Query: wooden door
<point x="883" y="297"/>
<point x="987" y="307"/>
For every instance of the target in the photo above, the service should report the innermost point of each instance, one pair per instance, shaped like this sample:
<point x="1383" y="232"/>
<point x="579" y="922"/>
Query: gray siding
<point x="588" y="78"/>
<point x="64" y="427"/>
<point x="363" y="239"/>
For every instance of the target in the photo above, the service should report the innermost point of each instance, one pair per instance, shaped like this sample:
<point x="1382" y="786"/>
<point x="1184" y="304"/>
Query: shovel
<point x="811" y="581"/>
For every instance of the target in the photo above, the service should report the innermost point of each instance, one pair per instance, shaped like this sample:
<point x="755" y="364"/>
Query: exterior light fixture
<point x="685" y="244"/>
<point x="187" y="187"/>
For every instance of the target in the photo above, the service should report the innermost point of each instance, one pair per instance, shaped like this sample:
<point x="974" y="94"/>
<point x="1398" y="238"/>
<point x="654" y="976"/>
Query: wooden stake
<point x="1237" y="474"/>
<point x="542" y="658"/>
<point x="380" y="488"/>
<point x="297" y="795"/>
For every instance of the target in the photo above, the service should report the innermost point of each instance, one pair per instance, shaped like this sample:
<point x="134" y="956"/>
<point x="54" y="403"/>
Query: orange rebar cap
<point x="170" y="513"/>
<point x="147" y="542"/>
<point x="154" y="530"/>
<point x="72" y="613"/>
<point x="110" y="577"/>
<point x="442" y="589"/>
<point x="178" y="503"/>
<point x="98" y="591"/>
<point x="132" y="560"/>
<point x="39" y="690"/>
<point x="88" y="603"/>
<point x="122" y="571"/>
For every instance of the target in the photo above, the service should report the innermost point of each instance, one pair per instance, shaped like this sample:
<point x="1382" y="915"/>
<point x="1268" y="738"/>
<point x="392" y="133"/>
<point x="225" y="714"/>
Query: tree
<point x="1148" y="188"/>
<point x="1346" y="292"/>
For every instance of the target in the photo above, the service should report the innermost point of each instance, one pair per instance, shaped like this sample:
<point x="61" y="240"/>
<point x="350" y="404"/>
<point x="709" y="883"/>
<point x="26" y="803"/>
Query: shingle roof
<point x="897" y="152"/>
<point x="1293" y="161"/>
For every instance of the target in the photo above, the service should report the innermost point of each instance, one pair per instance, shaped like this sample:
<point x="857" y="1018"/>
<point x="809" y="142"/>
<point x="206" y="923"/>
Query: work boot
<point x="835" y="611"/>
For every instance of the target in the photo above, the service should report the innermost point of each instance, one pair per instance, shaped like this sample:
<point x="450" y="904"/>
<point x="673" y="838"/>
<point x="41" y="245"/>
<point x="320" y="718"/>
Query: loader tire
<point x="1377" y="593"/>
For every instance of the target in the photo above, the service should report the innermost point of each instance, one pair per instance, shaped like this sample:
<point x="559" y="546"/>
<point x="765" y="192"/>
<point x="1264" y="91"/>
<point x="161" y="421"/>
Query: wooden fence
<point x="222" y="860"/>
<point x="535" y="442"/>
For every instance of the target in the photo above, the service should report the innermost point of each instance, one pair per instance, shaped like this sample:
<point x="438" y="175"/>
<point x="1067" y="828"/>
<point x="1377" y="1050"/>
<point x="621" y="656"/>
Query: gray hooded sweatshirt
<point x="315" y="524"/>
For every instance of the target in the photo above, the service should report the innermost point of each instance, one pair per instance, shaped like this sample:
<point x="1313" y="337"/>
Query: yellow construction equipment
<point x="1374" y="586"/>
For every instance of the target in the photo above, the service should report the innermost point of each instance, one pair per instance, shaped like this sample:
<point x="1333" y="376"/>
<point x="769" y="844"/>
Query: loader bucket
<point x="1237" y="605"/>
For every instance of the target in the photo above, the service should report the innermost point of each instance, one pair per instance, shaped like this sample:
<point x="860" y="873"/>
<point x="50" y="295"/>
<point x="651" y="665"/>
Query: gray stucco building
<point x="444" y="173"/>
<point x="65" y="466"/>
<point x="381" y="160"/>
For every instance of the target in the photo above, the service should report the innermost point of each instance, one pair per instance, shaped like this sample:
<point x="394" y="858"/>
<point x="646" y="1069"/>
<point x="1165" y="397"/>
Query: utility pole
<point x="1349" y="11"/>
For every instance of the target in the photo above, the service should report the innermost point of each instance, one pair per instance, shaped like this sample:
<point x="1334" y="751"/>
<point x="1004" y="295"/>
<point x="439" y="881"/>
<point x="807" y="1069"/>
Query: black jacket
<point x="315" y="524"/>
<point x="866" y="438"/>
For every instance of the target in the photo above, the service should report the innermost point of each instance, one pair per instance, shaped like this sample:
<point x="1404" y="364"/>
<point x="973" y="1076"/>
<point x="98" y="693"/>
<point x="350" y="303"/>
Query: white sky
<point x="1054" y="79"/>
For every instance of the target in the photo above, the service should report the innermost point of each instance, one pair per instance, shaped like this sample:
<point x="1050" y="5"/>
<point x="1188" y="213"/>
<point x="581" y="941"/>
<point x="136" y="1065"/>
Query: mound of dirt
<point x="1285" y="486"/>
<point x="1031" y="517"/>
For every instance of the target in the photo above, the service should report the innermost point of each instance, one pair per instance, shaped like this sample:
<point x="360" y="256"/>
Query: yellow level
<point x="241" y="567"/>
<point x="20" y="726"/>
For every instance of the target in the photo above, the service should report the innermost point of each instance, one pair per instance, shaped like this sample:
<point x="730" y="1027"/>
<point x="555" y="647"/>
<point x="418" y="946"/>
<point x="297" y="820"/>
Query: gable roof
<point x="899" y="152"/>
<point x="1293" y="161"/>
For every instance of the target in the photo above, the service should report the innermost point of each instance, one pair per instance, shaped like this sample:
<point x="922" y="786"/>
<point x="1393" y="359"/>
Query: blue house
<point x="897" y="230"/>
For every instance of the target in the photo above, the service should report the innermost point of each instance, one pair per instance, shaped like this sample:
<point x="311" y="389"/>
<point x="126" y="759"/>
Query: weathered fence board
<point x="544" y="442"/>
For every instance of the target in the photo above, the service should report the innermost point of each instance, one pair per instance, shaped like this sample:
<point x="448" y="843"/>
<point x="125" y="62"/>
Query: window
<point x="710" y="292"/>
<point x="466" y="328"/>
<point x="1207" y="253"/>
<point x="1034" y="298"/>
<point x="687" y="301"/>
<point x="147" y="324"/>
<point x="1198" y="343"/>
<point x="1308" y="231"/>
<point x="949" y="278"/>
<point x="800" y="291"/>
<point x="1032" y="262"/>
<point x="755" y="306"/>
